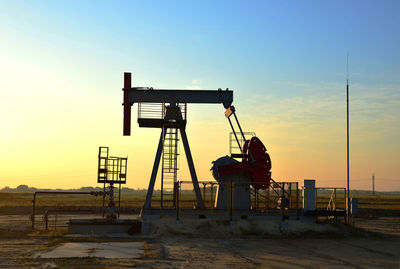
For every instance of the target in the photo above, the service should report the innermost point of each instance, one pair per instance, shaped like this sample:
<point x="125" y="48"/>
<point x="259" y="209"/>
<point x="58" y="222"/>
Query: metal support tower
<point x="171" y="116"/>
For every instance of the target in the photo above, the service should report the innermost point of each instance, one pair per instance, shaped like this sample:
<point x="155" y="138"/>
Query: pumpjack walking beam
<point x="173" y="97"/>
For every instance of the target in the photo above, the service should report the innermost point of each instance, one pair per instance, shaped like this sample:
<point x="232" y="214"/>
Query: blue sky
<point x="290" y="41"/>
<point x="286" y="62"/>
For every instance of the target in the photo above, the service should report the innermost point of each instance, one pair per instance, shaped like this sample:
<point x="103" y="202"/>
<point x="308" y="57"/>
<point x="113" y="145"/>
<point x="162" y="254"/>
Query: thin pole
<point x="283" y="201"/>
<point x="373" y="183"/>
<point x="230" y="202"/>
<point x="119" y="200"/>
<point x="33" y="210"/>
<point x="211" y="194"/>
<point x="297" y="200"/>
<point x="348" y="169"/>
<point x="204" y="191"/>
<point x="164" y="130"/>
<point x="104" y="197"/>
<point x="177" y="190"/>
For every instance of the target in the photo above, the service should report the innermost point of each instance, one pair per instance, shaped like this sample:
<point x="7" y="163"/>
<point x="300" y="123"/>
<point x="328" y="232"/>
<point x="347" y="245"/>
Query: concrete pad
<point x="109" y="250"/>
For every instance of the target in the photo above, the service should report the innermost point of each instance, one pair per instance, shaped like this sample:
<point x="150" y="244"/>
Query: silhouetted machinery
<point x="254" y="169"/>
<point x="166" y="109"/>
<point x="111" y="170"/>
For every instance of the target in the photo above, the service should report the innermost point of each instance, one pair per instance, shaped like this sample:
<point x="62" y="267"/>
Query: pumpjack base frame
<point x="155" y="213"/>
<point x="150" y="216"/>
<point x="325" y="213"/>
<point x="103" y="226"/>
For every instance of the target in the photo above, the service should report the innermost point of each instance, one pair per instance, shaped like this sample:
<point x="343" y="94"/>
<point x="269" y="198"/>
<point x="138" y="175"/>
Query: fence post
<point x="204" y="191"/>
<point x="211" y="195"/>
<point x="230" y="201"/>
<point x="283" y="200"/>
<point x="290" y="194"/>
<point x="177" y="190"/>
<point x="335" y="203"/>
<point x="46" y="220"/>
<point x="33" y="210"/>
<point x="346" y="206"/>
<point x="297" y="200"/>
<point x="55" y="222"/>
<point x="335" y="199"/>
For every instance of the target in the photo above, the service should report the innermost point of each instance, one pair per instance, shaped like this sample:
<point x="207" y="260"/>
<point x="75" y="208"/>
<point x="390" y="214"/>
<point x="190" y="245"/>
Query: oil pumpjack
<point x="166" y="109"/>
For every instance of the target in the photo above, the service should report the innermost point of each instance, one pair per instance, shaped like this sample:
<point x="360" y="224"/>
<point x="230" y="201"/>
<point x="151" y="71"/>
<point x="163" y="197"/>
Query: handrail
<point x="95" y="193"/>
<point x="291" y="194"/>
<point x="47" y="213"/>
<point x="332" y="202"/>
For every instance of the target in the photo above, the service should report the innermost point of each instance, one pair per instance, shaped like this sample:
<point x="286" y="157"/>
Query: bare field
<point x="16" y="202"/>
<point x="375" y="246"/>
<point x="19" y="244"/>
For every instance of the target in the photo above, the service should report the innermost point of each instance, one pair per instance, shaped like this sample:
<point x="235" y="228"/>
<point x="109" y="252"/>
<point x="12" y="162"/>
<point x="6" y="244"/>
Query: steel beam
<point x="149" y="95"/>
<point x="147" y="203"/>
<point x="192" y="170"/>
<point x="127" y="106"/>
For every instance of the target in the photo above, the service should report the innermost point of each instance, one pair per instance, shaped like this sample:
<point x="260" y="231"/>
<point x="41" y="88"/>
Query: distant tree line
<point x="27" y="189"/>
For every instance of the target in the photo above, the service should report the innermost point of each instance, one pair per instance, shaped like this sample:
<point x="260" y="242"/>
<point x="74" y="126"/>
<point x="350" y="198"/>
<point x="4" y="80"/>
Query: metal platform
<point x="160" y="123"/>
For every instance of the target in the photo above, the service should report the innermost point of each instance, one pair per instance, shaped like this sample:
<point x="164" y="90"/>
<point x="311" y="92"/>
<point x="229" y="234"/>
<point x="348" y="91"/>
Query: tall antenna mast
<point x="348" y="177"/>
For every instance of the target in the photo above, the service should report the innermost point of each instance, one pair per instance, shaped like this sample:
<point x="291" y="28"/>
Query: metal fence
<point x="325" y="198"/>
<point x="281" y="198"/>
<point x="157" y="110"/>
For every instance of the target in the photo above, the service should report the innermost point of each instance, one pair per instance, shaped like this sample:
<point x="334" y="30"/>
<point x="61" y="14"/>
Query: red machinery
<point x="256" y="163"/>
<point x="258" y="169"/>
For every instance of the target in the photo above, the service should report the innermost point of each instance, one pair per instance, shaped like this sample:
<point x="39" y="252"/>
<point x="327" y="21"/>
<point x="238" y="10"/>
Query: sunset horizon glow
<point x="61" y="75"/>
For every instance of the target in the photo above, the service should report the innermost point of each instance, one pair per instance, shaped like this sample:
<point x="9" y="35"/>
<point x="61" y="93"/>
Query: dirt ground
<point x="18" y="244"/>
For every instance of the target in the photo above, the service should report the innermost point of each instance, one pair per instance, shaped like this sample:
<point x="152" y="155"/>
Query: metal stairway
<point x="169" y="167"/>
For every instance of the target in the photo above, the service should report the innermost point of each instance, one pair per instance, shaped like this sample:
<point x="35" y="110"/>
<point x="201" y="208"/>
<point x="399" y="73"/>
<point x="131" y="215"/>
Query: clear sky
<point x="61" y="74"/>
